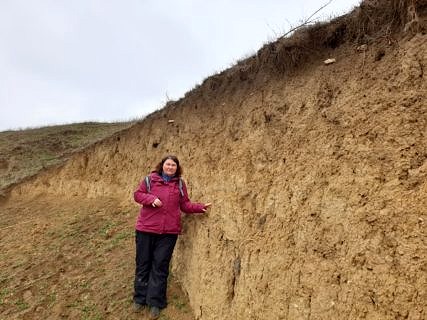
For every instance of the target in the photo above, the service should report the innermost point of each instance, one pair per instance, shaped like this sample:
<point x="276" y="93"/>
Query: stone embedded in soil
<point x="329" y="61"/>
<point x="28" y="296"/>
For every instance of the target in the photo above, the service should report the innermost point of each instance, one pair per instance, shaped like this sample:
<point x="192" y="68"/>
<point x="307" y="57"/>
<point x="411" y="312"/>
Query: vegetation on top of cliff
<point x="379" y="20"/>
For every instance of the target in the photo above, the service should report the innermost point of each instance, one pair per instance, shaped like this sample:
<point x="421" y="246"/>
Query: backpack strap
<point x="148" y="183"/>
<point x="181" y="189"/>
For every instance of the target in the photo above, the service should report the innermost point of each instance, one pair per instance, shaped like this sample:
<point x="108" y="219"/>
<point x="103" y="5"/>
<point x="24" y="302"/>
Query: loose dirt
<point x="71" y="259"/>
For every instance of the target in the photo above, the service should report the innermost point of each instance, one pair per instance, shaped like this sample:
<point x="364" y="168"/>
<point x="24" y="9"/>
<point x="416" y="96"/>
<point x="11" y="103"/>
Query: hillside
<point x="25" y="152"/>
<point x="317" y="174"/>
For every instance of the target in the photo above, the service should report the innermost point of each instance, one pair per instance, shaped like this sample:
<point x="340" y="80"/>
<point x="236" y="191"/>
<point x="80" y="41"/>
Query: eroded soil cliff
<point x="318" y="179"/>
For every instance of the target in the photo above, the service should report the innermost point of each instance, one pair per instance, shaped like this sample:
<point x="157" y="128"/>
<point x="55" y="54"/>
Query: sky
<point x="67" y="61"/>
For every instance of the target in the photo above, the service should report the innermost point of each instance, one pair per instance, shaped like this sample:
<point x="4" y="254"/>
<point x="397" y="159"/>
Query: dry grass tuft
<point x="373" y="20"/>
<point x="379" y="18"/>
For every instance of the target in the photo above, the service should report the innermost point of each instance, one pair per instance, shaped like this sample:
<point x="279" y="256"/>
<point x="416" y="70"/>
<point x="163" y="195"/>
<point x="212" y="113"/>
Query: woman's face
<point x="169" y="167"/>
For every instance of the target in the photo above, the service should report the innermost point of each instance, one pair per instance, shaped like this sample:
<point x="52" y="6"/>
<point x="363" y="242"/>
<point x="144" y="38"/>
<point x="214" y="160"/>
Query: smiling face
<point x="169" y="167"/>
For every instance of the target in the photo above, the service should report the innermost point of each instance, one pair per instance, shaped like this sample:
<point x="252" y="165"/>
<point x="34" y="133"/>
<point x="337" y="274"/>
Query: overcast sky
<point x="65" y="61"/>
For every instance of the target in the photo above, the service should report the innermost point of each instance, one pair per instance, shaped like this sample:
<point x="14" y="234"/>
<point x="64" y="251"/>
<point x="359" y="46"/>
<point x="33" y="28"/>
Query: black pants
<point x="153" y="254"/>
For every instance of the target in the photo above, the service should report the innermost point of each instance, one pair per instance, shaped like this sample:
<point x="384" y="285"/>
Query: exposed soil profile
<point x="317" y="174"/>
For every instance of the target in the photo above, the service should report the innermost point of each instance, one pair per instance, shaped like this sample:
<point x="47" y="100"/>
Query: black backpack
<point x="147" y="180"/>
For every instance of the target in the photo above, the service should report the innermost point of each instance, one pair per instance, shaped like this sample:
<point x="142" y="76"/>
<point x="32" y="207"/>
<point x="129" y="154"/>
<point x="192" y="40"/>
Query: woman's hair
<point x="159" y="167"/>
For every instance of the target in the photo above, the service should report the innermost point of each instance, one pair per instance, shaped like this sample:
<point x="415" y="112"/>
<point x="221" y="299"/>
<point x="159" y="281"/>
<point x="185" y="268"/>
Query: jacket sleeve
<point x="186" y="205"/>
<point x="142" y="196"/>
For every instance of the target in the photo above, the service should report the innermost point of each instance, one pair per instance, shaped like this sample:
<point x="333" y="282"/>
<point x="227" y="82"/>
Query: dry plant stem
<point x="29" y="284"/>
<point x="364" y="58"/>
<point x="17" y="224"/>
<point x="308" y="20"/>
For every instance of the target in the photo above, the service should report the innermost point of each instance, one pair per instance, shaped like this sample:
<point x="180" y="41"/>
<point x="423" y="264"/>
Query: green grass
<point x="90" y="312"/>
<point x="51" y="298"/>
<point x="180" y="304"/>
<point x="85" y="284"/>
<point x="121" y="236"/>
<point x="3" y="279"/>
<point x="19" y="263"/>
<point x="3" y="294"/>
<point x="21" y="304"/>
<point x="25" y="152"/>
<point x="103" y="231"/>
<point x="88" y="309"/>
<point x="117" y="239"/>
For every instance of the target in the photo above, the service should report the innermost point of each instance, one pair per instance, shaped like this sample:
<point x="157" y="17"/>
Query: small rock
<point x="363" y="47"/>
<point x="39" y="309"/>
<point x="109" y="233"/>
<point x="371" y="218"/>
<point x="171" y="121"/>
<point x="28" y="296"/>
<point x="329" y="61"/>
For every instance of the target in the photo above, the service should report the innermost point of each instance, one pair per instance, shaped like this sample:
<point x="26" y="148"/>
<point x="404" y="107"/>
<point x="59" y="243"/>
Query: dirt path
<point x="71" y="259"/>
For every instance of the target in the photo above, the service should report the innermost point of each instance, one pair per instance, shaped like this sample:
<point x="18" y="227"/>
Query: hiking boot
<point x="154" y="312"/>
<point x="137" y="307"/>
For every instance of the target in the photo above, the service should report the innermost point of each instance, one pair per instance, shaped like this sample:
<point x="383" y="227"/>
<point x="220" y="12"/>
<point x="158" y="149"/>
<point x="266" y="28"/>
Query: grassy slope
<point x="72" y="259"/>
<point x="25" y="152"/>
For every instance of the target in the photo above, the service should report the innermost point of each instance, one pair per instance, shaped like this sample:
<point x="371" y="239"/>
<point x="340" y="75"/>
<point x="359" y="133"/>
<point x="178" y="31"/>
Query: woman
<point x="162" y="195"/>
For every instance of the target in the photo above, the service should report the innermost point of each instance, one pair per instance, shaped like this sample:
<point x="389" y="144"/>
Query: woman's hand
<point x="207" y="205"/>
<point x="157" y="203"/>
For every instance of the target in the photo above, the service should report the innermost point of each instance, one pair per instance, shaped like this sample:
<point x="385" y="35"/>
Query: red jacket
<point x="167" y="218"/>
